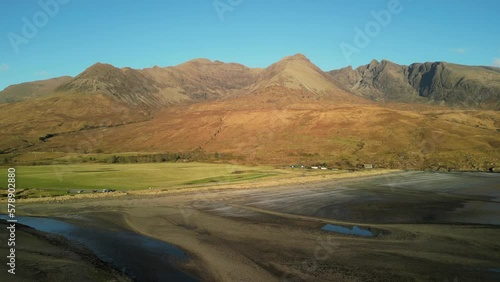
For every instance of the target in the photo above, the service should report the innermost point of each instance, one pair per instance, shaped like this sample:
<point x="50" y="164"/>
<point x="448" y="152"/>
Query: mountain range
<point x="418" y="116"/>
<point x="201" y="80"/>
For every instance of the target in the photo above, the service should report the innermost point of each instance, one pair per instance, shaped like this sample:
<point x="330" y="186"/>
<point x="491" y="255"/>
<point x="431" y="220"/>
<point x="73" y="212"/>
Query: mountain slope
<point x="456" y="84"/>
<point x="156" y="87"/>
<point x="450" y="84"/>
<point x="296" y="78"/>
<point x="202" y="79"/>
<point x="295" y="72"/>
<point x="23" y="124"/>
<point x="379" y="81"/>
<point x="31" y="90"/>
<point x="126" y="85"/>
<point x="316" y="132"/>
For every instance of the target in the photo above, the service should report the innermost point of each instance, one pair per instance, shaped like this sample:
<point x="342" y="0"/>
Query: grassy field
<point x="58" y="179"/>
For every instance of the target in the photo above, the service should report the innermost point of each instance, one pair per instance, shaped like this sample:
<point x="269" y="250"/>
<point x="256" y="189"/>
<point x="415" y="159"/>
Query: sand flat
<point x="274" y="233"/>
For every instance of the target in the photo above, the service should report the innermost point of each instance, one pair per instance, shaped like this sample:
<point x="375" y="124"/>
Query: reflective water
<point x="355" y="230"/>
<point x="140" y="257"/>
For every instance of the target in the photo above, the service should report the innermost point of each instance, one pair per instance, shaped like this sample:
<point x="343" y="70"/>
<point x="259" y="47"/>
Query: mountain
<point x="202" y="80"/>
<point x="295" y="72"/>
<point x="439" y="82"/>
<point x="196" y="80"/>
<point x="31" y="90"/>
<point x="384" y="81"/>
<point x="295" y="78"/>
<point x="291" y="79"/>
<point x="290" y="112"/>
<point x="126" y="85"/>
<point x="457" y="84"/>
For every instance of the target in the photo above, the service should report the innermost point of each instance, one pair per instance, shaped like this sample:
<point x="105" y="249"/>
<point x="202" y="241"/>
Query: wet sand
<point x="432" y="227"/>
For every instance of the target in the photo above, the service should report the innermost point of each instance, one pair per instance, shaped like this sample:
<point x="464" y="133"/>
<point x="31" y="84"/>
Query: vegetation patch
<point x="54" y="180"/>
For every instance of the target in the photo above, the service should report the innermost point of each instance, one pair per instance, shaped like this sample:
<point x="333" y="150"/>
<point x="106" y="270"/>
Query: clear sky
<point x="67" y="36"/>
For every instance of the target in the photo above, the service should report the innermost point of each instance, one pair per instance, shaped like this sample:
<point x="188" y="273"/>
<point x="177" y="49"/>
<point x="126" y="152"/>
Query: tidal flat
<point x="427" y="226"/>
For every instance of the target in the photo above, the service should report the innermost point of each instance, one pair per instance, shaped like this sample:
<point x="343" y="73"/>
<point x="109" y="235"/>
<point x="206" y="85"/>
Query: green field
<point x="59" y="179"/>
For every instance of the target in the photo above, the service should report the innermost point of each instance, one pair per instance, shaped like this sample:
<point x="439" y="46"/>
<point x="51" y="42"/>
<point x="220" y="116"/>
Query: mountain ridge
<point x="201" y="80"/>
<point x="435" y="82"/>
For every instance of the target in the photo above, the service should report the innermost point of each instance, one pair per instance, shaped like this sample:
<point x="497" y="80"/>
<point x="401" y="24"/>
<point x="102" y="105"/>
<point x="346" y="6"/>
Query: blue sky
<point x="71" y="35"/>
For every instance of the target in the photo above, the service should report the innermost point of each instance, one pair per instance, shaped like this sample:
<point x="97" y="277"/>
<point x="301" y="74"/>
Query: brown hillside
<point x="314" y="132"/>
<point x="125" y="85"/>
<point x="201" y="80"/>
<point x="295" y="79"/>
<point x="23" y="124"/>
<point x="31" y="90"/>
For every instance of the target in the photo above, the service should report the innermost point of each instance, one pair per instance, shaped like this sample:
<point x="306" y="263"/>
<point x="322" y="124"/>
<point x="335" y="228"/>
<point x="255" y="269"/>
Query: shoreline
<point x="261" y="183"/>
<point x="88" y="255"/>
